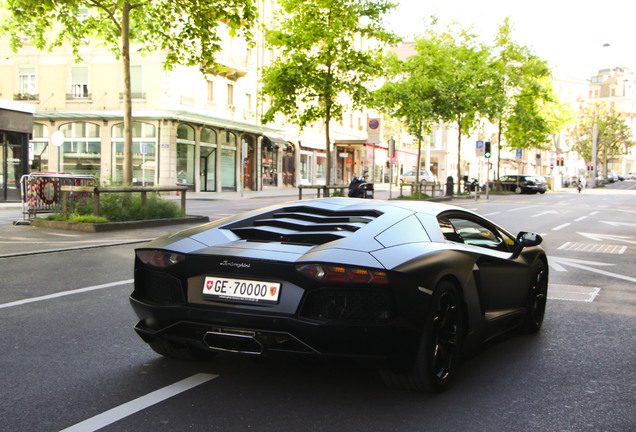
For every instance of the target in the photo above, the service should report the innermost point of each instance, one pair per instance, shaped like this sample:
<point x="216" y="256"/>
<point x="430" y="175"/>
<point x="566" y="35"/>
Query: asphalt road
<point x="70" y="358"/>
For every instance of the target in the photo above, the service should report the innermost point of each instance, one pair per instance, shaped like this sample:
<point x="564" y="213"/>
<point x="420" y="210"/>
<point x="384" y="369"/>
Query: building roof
<point x="179" y="115"/>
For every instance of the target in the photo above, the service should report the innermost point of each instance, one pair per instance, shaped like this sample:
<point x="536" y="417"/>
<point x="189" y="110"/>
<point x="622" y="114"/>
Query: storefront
<point x="16" y="127"/>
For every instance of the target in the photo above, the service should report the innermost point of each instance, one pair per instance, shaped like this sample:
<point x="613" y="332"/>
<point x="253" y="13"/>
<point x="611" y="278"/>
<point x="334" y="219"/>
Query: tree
<point x="614" y="135"/>
<point x="320" y="71"/>
<point x="457" y="80"/>
<point x="523" y="104"/>
<point x="404" y="97"/>
<point x="185" y="29"/>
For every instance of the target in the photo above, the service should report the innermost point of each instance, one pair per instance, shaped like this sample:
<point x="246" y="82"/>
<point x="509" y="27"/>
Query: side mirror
<point x="526" y="239"/>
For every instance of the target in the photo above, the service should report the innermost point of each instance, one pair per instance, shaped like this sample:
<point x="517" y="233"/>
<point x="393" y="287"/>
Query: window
<point x="230" y="95"/>
<point x="81" y="151"/>
<point x="79" y="82"/>
<point x="26" y="80"/>
<point x="185" y="154"/>
<point x="136" y="82"/>
<point x="210" y="91"/>
<point x="38" y="150"/>
<point x="613" y="92"/>
<point x="472" y="232"/>
<point x="144" y="153"/>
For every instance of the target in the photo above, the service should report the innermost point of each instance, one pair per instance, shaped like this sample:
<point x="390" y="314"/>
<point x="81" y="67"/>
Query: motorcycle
<point x="359" y="188"/>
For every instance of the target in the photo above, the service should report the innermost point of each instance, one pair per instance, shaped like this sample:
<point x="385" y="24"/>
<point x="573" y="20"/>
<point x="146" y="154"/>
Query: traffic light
<point x="487" y="149"/>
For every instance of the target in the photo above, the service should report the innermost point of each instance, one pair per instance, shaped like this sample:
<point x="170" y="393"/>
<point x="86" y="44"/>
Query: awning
<point x="276" y="139"/>
<point x="350" y="143"/>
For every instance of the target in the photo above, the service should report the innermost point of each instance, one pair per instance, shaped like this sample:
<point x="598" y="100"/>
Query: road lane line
<point x="111" y="416"/>
<point x="580" y="219"/>
<point x="64" y="293"/>
<point x="561" y="226"/>
<point x="490" y="214"/>
<point x="70" y="249"/>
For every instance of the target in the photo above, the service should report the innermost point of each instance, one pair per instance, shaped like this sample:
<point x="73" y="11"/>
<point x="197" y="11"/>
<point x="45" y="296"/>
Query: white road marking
<point x="593" y="247"/>
<point x="111" y="416"/>
<point x="559" y="264"/>
<point x="561" y="226"/>
<point x="600" y="237"/>
<point x="520" y="208"/>
<point x="573" y="293"/>
<point x="64" y="293"/>
<point x="490" y="214"/>
<point x="619" y="223"/>
<point x="580" y="219"/>
<point x="544" y="213"/>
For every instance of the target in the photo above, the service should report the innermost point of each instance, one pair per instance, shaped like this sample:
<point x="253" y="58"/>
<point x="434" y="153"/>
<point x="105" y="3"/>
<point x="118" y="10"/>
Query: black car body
<point x="523" y="184"/>
<point x="409" y="285"/>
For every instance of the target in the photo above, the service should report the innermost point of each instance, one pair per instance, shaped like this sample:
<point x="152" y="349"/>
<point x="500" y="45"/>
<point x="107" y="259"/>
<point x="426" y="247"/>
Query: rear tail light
<point x="368" y="186"/>
<point x="158" y="258"/>
<point x="344" y="274"/>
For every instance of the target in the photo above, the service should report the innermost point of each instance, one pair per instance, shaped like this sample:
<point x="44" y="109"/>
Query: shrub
<point x="120" y="207"/>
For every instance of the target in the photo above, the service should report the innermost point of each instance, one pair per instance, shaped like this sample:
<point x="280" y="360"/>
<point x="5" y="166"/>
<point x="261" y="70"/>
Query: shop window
<point x="81" y="151"/>
<point x="185" y="154"/>
<point x="38" y="150"/>
<point x="144" y="151"/>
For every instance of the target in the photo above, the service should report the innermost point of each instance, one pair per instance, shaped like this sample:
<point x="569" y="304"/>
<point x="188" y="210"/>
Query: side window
<point x="475" y="234"/>
<point x="449" y="230"/>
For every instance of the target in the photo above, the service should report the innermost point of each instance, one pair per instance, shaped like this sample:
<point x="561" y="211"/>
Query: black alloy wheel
<point x="537" y="298"/>
<point x="438" y="354"/>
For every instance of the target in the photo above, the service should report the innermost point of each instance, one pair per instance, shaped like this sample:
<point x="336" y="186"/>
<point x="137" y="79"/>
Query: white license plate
<point x="241" y="289"/>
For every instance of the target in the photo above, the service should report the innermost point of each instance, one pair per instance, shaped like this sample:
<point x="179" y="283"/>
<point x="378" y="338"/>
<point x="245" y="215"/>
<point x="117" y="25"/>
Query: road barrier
<point x="41" y="191"/>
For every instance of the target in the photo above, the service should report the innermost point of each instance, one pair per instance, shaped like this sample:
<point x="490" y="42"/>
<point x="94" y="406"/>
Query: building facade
<point x="197" y="129"/>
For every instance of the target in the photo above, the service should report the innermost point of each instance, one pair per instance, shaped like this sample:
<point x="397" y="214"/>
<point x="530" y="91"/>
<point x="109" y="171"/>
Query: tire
<point x="179" y="351"/>
<point x="438" y="354"/>
<point x="537" y="297"/>
<point x="518" y="190"/>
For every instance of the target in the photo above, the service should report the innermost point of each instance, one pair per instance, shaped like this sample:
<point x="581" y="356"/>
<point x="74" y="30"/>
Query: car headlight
<point x="159" y="258"/>
<point x="347" y="274"/>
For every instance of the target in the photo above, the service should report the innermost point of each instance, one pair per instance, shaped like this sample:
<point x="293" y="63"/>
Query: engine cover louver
<point x="303" y="225"/>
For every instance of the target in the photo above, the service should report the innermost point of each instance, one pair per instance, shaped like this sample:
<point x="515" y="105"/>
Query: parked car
<point x="631" y="175"/>
<point x="409" y="176"/>
<point x="410" y="286"/>
<point x="523" y="184"/>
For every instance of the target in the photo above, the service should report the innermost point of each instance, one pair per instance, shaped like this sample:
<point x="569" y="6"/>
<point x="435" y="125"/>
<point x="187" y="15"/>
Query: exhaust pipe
<point x="236" y="341"/>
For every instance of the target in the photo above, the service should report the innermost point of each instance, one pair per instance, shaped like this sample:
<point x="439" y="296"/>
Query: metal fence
<point x="41" y="192"/>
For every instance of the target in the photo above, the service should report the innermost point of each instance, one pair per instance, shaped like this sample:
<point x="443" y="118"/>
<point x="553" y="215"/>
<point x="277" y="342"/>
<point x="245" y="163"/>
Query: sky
<point x="569" y="35"/>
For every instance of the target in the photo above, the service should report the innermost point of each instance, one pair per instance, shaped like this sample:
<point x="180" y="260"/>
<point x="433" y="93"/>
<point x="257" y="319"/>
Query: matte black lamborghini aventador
<point x="410" y="285"/>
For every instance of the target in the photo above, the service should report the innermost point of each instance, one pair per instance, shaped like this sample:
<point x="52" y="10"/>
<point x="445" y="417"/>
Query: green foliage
<point x="449" y="79"/>
<point x="186" y="29"/>
<point x="321" y="69"/>
<point x="524" y="101"/>
<point x="414" y="196"/>
<point x="120" y="207"/>
<point x="77" y="218"/>
<point x="614" y="135"/>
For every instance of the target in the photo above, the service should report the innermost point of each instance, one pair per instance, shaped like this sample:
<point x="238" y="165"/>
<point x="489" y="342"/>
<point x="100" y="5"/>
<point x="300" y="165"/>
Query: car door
<point x="497" y="275"/>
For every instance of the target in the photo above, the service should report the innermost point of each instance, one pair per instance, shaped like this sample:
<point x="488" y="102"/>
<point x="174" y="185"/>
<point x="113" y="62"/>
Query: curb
<point x="117" y="226"/>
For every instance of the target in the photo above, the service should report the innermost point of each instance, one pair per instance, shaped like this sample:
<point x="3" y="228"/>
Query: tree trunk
<point x="125" y="54"/>
<point x="498" y="150"/>
<point x="459" y="156"/>
<point x="328" y="178"/>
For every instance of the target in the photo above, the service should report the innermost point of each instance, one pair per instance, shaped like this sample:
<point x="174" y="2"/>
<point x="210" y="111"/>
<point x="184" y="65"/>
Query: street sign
<point x="374" y="130"/>
<point x="479" y="149"/>
<point x="518" y="155"/>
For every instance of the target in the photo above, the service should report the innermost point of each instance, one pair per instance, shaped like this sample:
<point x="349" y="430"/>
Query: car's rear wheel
<point x="537" y="298"/>
<point x="438" y="354"/>
<point x="179" y="351"/>
<point x="518" y="190"/>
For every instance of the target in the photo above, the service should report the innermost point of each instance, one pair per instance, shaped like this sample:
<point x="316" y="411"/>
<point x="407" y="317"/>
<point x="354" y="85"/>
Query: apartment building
<point x="617" y="88"/>
<point x="198" y="129"/>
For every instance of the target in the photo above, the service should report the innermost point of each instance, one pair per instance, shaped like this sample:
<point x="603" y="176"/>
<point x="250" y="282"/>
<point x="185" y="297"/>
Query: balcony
<point x="232" y="66"/>
<point x="134" y="95"/>
<point x="26" y="97"/>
